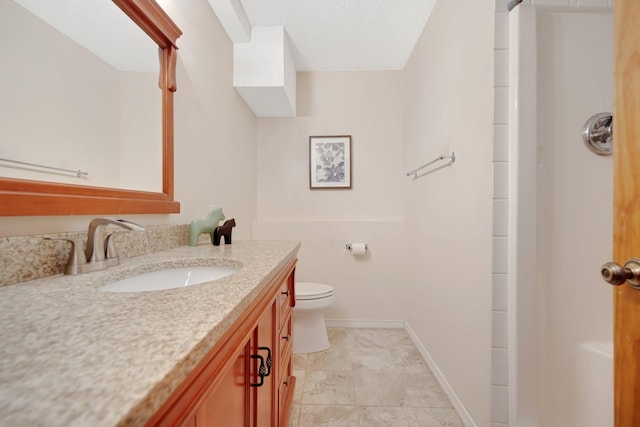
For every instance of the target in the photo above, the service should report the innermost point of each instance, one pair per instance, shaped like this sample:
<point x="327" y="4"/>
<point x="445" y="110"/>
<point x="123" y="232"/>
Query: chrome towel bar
<point x="414" y="172"/>
<point x="78" y="172"/>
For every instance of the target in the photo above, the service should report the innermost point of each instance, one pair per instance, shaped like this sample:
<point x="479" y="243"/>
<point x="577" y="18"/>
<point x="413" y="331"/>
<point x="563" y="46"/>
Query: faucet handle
<point x="96" y="241"/>
<point x="110" y="245"/>
<point x="76" y="256"/>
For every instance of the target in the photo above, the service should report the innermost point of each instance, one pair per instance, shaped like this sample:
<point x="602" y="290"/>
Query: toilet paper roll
<point x="358" y="248"/>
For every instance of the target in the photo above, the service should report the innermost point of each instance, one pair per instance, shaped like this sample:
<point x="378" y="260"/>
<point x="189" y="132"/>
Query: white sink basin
<point x="178" y="277"/>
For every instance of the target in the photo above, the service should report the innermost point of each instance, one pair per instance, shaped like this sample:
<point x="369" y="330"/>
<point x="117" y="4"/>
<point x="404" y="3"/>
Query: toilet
<point x="309" y="330"/>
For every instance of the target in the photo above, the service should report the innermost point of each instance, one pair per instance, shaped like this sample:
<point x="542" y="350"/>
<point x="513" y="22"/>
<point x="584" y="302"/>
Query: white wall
<point x="215" y="160"/>
<point x="367" y="106"/>
<point x="449" y="212"/>
<point x="215" y="134"/>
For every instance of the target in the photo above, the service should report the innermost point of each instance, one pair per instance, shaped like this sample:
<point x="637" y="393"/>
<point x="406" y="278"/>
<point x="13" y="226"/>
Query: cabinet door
<point x="228" y="404"/>
<point x="263" y="411"/>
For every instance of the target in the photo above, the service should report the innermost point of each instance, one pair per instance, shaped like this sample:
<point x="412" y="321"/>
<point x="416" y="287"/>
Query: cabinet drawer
<point x="286" y="299"/>
<point x="285" y="366"/>
<point x="285" y="390"/>
<point x="285" y="313"/>
<point x="285" y="336"/>
<point x="286" y="295"/>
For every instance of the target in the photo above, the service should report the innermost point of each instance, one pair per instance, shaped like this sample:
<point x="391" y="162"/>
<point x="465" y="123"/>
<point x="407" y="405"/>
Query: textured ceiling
<point x="324" y="35"/>
<point x="342" y="35"/>
<point x="100" y="27"/>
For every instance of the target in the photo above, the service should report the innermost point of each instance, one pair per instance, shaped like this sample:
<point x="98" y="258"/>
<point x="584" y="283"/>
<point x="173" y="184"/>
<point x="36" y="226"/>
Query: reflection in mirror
<point x="80" y="93"/>
<point x="19" y="197"/>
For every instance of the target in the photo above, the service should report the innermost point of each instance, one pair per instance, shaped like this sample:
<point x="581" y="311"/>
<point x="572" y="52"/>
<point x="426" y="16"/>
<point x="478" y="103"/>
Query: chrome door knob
<point x="614" y="274"/>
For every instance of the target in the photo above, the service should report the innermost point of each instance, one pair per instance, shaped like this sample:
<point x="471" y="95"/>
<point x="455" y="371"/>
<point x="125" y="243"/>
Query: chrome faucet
<point x="101" y="251"/>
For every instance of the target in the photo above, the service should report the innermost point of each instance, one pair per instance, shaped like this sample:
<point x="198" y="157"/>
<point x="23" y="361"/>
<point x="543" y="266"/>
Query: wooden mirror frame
<point x="20" y="197"/>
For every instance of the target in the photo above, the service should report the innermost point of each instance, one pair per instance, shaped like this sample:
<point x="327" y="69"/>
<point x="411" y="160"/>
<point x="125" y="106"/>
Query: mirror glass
<point x="80" y="92"/>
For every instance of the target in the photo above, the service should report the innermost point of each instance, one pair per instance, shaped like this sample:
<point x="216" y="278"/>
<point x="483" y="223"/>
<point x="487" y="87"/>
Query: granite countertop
<point x="74" y="355"/>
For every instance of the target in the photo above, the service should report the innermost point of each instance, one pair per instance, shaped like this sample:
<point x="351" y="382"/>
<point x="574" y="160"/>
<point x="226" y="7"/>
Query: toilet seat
<point x="311" y="291"/>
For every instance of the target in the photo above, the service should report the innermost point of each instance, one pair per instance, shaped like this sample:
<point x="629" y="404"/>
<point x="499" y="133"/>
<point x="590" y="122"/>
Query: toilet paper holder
<point x="349" y="247"/>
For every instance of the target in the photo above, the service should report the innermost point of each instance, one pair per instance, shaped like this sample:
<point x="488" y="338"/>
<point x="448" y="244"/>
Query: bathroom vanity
<point x="73" y="354"/>
<point x="246" y="379"/>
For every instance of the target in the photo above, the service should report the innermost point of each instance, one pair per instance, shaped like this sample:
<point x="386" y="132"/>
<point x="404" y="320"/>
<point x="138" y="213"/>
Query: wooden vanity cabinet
<point x="228" y="404"/>
<point x="227" y="388"/>
<point x="263" y="388"/>
<point x="286" y="380"/>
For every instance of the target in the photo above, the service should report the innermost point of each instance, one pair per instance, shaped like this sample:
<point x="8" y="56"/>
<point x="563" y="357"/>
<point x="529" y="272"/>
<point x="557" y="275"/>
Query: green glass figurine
<point x="208" y="225"/>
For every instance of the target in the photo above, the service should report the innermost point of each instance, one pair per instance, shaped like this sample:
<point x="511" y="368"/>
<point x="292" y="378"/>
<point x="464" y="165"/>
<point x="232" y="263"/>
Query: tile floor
<point x="368" y="378"/>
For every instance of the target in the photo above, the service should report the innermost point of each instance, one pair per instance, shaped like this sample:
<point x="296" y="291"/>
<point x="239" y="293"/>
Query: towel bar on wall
<point x="78" y="172"/>
<point x="414" y="172"/>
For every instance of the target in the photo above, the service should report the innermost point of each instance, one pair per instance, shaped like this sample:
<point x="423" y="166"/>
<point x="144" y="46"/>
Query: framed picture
<point x="329" y="162"/>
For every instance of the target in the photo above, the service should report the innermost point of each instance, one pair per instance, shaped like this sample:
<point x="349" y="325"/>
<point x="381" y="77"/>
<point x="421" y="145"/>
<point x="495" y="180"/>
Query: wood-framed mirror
<point x="25" y="197"/>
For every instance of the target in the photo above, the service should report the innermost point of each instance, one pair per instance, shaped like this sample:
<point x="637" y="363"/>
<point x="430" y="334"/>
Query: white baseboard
<point x="380" y="324"/>
<point x="464" y="415"/>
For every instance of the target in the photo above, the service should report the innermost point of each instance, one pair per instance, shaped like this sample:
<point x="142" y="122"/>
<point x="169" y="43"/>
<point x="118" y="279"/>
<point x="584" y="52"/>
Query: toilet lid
<point x="308" y="290"/>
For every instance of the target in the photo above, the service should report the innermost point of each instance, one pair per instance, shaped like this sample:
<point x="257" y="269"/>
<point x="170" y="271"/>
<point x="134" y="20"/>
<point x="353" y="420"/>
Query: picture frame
<point x="330" y="162"/>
